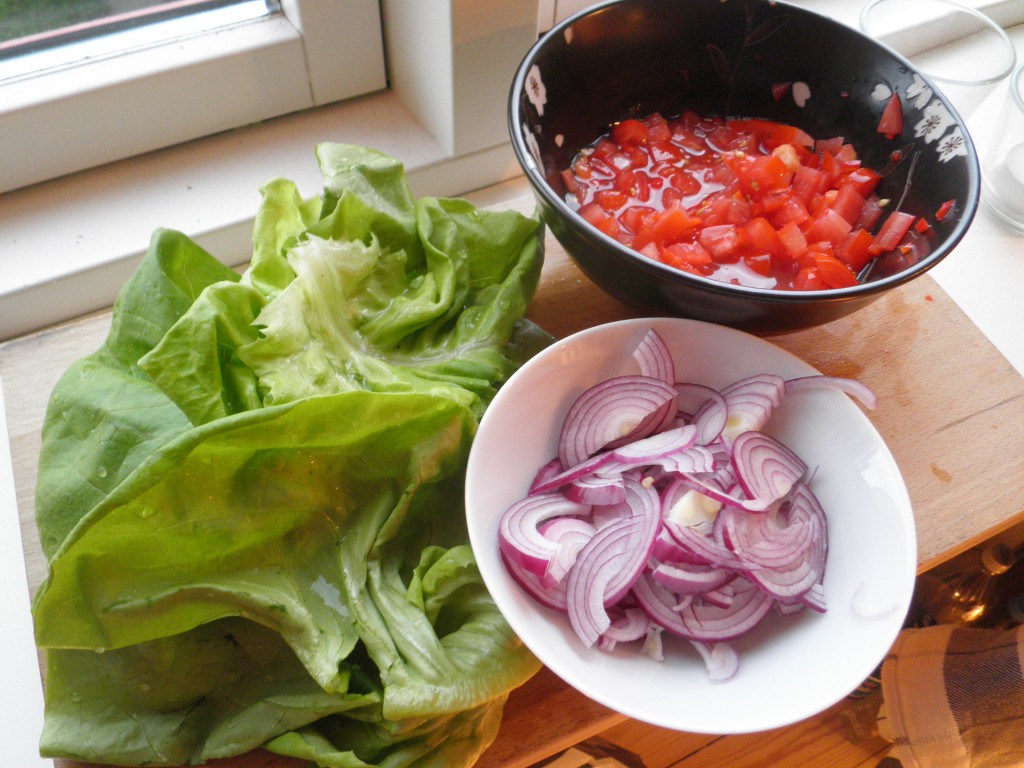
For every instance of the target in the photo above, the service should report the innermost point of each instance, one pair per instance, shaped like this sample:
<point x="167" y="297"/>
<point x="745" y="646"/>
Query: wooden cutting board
<point x="951" y="409"/>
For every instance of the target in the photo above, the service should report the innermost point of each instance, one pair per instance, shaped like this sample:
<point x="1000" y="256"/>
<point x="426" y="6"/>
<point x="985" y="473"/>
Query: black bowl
<point x="629" y="58"/>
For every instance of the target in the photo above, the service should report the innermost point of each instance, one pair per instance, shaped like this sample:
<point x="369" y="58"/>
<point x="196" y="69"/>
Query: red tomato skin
<point x="849" y="203"/>
<point x="855" y="250"/>
<point x="721" y="241"/>
<point x="944" y="210"/>
<point x="629" y="131"/>
<point x="830" y="227"/>
<point x="890" y="124"/>
<point x="833" y="273"/>
<point x="760" y="235"/>
<point x="893" y="231"/>
<point x="864" y="180"/>
<point x="793" y="240"/>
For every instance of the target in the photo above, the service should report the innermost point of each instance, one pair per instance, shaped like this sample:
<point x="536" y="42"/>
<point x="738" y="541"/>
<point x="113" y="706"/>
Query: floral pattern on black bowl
<point x="727" y="58"/>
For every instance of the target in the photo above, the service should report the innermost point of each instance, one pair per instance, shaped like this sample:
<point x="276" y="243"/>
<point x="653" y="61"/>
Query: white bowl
<point x="791" y="667"/>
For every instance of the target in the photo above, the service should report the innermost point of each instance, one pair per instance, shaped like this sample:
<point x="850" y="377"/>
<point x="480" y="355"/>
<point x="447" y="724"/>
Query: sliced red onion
<point x="700" y="620"/>
<point x="751" y="402"/>
<point x="610" y="562"/>
<point x="712" y="490"/>
<point x="789" y="608"/>
<point x="519" y="537"/>
<point x="765" y="468"/>
<point x="721" y="659"/>
<point x="571" y="534"/>
<point x="852" y="387"/>
<point x="628" y="626"/>
<point x="705" y="548"/>
<point x="667" y="549"/>
<point x="758" y="541"/>
<point x="690" y="578"/>
<point x="596" y="489"/>
<point x="549" y="596"/>
<point x="654" y="358"/>
<point x="621" y="407"/>
<point x="721" y="597"/>
<point x="710" y="411"/>
<point x="653" y="646"/>
<point x="651" y="449"/>
<point x="545" y="473"/>
<point x="814" y="598"/>
<point x="681" y="505"/>
<point x="572" y="474"/>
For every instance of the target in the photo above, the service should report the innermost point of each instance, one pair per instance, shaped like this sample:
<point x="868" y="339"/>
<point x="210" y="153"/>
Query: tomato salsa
<point x="748" y="201"/>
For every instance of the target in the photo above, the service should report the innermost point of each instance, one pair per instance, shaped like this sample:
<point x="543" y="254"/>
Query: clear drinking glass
<point x="963" y="51"/>
<point x="1002" y="157"/>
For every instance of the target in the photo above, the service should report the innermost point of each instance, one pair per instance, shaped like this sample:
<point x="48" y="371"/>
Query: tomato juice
<point x="747" y="201"/>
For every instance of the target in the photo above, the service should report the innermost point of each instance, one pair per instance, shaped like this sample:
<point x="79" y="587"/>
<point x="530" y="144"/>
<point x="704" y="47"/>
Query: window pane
<point x="32" y="25"/>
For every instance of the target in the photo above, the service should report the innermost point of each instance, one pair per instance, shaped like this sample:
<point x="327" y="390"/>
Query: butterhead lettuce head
<point x="251" y="495"/>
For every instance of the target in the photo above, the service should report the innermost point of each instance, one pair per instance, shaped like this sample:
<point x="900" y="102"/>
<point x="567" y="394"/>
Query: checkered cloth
<point x="954" y="698"/>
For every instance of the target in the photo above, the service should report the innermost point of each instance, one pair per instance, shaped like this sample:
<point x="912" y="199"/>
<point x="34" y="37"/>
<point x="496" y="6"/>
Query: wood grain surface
<point x="951" y="409"/>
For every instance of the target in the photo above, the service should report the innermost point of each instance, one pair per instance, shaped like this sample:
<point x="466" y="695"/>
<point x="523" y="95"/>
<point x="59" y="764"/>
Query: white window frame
<point x="109" y="108"/>
<point x="68" y="243"/>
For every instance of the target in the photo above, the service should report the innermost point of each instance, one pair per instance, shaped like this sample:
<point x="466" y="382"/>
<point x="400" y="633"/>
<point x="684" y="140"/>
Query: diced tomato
<point x="611" y="199"/>
<point x="572" y="186"/>
<point x="830" y="169"/>
<point x="855" y="250"/>
<point x="692" y="254"/>
<point x="632" y="219"/>
<point x="775" y="134"/>
<point x="760" y="173"/>
<point x="832" y="145"/>
<point x="650" y="250"/>
<point x="761" y="263"/>
<point x="864" y="180"/>
<point x="634" y="184"/>
<point x="629" y="131"/>
<point x="890" y="124"/>
<point x="833" y="273"/>
<point x="703" y="193"/>
<point x="721" y="241"/>
<point x="849" y="203"/>
<point x="667" y="153"/>
<point x="685" y="183"/>
<point x="599" y="219"/>
<point x="893" y="231"/>
<point x="808" y="279"/>
<point x="793" y="240"/>
<point x="671" y="224"/>
<point x="603" y="148"/>
<point x="657" y="128"/>
<point x="671" y="196"/>
<point x="847" y="157"/>
<point x="871" y="214"/>
<point x="944" y="210"/>
<point x="830" y="227"/>
<point x="807" y="182"/>
<point x="760" y="235"/>
<point x="793" y="210"/>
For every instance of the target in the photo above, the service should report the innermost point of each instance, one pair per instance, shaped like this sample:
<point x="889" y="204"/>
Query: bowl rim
<point x="770" y="295"/>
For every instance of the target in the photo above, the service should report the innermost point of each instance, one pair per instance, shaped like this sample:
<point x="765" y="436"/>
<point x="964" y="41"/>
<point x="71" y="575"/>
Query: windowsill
<point x="70" y="243"/>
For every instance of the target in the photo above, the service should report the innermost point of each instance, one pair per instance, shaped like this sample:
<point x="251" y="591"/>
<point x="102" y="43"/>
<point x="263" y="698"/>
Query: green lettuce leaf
<point x="250" y="496"/>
